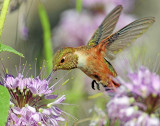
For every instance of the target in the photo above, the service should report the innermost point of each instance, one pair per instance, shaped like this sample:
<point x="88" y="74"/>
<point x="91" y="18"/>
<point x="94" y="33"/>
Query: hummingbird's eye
<point x="62" y="60"/>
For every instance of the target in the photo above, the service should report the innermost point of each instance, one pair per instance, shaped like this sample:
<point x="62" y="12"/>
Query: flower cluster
<point x="136" y="101"/>
<point x="29" y="102"/>
<point x="127" y="4"/>
<point x="144" y="83"/>
<point x="77" y="28"/>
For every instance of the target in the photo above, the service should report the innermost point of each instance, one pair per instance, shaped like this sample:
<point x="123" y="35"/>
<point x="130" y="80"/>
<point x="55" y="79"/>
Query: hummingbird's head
<point x="65" y="59"/>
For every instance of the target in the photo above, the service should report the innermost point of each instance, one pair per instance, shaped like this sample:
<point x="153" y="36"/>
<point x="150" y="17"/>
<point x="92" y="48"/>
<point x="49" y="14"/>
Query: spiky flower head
<point x="137" y="100"/>
<point x="32" y="102"/>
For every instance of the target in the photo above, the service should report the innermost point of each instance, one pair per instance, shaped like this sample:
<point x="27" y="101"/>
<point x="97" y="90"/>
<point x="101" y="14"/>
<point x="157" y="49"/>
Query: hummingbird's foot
<point x="92" y="84"/>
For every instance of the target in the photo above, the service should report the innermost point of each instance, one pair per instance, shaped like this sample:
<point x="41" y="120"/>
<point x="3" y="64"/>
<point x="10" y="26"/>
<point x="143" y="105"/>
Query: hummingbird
<point x="94" y="59"/>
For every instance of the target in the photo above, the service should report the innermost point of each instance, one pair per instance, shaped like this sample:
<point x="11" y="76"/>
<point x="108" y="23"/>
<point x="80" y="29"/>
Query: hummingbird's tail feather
<point x="112" y="85"/>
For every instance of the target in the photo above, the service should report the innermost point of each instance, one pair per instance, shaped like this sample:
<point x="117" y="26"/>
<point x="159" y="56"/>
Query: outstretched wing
<point x="106" y="28"/>
<point x="122" y="39"/>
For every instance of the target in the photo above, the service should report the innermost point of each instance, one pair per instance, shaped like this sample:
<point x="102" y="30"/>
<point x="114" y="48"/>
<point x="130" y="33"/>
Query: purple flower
<point x="90" y="3"/>
<point x="28" y="102"/>
<point x="75" y="29"/>
<point x="127" y="4"/>
<point x="144" y="83"/>
<point x="137" y="100"/>
<point x="24" y="32"/>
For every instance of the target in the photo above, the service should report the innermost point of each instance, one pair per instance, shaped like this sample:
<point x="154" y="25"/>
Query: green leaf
<point x="4" y="105"/>
<point x="46" y="36"/>
<point x="3" y="15"/>
<point x="78" y="5"/>
<point x="9" y="49"/>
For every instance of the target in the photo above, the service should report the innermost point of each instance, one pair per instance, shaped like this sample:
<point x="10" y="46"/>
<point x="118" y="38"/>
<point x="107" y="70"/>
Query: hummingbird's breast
<point x="92" y="63"/>
<point x="82" y="58"/>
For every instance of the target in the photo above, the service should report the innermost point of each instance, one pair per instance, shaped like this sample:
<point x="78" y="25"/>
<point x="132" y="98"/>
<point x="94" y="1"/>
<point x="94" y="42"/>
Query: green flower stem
<point x="78" y="5"/>
<point x="3" y="15"/>
<point x="46" y="37"/>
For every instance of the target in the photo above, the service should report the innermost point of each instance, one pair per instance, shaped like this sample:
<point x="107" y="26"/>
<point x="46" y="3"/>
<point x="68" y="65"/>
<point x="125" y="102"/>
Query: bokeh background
<point x="73" y="27"/>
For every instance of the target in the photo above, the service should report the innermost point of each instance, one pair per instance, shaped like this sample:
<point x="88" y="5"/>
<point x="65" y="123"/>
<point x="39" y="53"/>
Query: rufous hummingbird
<point x="94" y="58"/>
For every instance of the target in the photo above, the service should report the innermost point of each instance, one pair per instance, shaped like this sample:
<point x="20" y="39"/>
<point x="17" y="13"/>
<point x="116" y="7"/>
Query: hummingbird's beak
<point x="49" y="76"/>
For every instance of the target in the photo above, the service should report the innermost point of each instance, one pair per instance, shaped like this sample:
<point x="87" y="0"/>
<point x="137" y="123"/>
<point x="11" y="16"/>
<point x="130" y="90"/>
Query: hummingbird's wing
<point x="122" y="39"/>
<point x="106" y="28"/>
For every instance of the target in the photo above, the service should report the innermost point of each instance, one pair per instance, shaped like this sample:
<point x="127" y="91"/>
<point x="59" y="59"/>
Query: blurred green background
<point x="78" y="89"/>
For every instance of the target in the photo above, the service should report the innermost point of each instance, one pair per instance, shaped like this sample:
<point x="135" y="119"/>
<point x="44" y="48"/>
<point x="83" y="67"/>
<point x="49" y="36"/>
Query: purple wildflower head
<point x="144" y="83"/>
<point x="100" y="5"/>
<point x="32" y="101"/>
<point x="76" y="28"/>
<point x="91" y="3"/>
<point x="137" y="100"/>
<point x="127" y="4"/>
